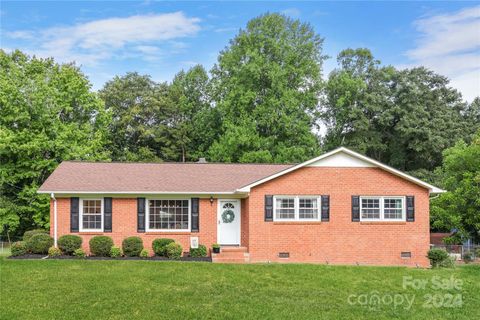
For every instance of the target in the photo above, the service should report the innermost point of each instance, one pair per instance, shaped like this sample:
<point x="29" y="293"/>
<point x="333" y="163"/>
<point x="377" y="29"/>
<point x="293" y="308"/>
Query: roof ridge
<point x="182" y="163"/>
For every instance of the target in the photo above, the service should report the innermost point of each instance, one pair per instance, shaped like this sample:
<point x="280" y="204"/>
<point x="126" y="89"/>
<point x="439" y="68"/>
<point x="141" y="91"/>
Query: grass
<point x="80" y="289"/>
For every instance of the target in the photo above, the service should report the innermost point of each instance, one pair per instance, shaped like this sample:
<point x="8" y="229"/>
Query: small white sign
<point x="194" y="242"/>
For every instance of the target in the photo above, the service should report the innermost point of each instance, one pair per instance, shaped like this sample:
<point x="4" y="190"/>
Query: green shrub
<point x="144" y="253"/>
<point x="159" y="245"/>
<point x="132" y="246"/>
<point x="54" y="252"/>
<point x="115" y="252"/>
<point x="174" y="250"/>
<point x="448" y="263"/>
<point x="437" y="257"/>
<point x="69" y="243"/>
<point x="477" y="253"/>
<point x="468" y="257"/>
<point x="28" y="234"/>
<point x="39" y="243"/>
<point x="79" y="253"/>
<point x="201" y="251"/>
<point x="101" y="246"/>
<point x="18" y="248"/>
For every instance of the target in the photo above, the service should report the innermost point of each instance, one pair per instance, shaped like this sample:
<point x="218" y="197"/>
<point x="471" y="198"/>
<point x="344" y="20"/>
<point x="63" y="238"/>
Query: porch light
<point x="211" y="199"/>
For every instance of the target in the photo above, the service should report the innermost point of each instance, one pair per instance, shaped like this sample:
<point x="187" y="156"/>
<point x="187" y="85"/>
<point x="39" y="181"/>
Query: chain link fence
<point x="459" y="251"/>
<point x="6" y="242"/>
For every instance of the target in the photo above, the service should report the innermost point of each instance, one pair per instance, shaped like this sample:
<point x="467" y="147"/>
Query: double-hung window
<point x="296" y="208"/>
<point x="168" y="215"/>
<point x="382" y="208"/>
<point x="91" y="215"/>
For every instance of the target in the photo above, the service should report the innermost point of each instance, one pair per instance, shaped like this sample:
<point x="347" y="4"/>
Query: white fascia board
<point x="396" y="172"/>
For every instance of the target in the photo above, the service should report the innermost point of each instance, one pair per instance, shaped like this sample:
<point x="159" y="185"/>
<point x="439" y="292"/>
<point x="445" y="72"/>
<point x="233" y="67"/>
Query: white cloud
<point x="25" y="35"/>
<point x="94" y="41"/>
<point x="292" y="12"/>
<point x="450" y="45"/>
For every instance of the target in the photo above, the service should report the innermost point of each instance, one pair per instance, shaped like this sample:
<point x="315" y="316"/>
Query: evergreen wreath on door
<point x="228" y="216"/>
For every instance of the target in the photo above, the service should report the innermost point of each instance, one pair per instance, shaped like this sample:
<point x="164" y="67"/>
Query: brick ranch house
<point x="338" y="208"/>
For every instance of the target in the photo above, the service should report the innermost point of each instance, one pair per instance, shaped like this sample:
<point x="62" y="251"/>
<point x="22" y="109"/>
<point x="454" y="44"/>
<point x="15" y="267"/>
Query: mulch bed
<point x="155" y="258"/>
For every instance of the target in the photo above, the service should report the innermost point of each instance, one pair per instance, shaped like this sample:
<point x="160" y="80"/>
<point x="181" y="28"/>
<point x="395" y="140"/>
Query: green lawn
<point x="68" y="289"/>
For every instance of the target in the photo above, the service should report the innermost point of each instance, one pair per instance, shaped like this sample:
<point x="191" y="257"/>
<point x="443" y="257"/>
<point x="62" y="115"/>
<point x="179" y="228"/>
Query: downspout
<point x="52" y="195"/>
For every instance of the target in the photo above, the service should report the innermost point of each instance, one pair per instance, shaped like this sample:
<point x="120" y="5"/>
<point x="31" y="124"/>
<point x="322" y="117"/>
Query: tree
<point x="195" y="123"/>
<point x="47" y="115"/>
<point x="137" y="105"/>
<point x="459" y="208"/>
<point x="266" y="86"/>
<point x="404" y="118"/>
<point x="356" y="94"/>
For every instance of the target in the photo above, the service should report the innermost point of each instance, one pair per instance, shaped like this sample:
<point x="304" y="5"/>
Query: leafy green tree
<point x="459" y="208"/>
<point x="195" y="122"/>
<point x="356" y="94"/>
<point x="139" y="117"/>
<point x="266" y="86"/>
<point x="47" y="114"/>
<point x="404" y="118"/>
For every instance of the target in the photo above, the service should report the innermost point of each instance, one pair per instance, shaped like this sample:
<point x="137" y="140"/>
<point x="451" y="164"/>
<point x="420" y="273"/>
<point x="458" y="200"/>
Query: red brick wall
<point x="244" y="223"/>
<point x="124" y="224"/>
<point x="339" y="241"/>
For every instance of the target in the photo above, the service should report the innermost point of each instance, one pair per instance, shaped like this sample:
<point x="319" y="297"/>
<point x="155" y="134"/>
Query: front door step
<point x="231" y="255"/>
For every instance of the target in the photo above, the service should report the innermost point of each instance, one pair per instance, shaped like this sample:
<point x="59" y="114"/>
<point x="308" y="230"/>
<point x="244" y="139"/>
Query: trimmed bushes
<point x="79" y="253"/>
<point x="18" y="248"/>
<point x="159" y="246"/>
<point x="39" y="243"/>
<point x="54" y="252"/>
<point x="100" y="246"/>
<point x="144" y="253"/>
<point x="201" y="251"/>
<point x="437" y="257"/>
<point x="69" y="243"/>
<point x="173" y="250"/>
<point x="115" y="252"/>
<point x="28" y="234"/>
<point x="132" y="246"/>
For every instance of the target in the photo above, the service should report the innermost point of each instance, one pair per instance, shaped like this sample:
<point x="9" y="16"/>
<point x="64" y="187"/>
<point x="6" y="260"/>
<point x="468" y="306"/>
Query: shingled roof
<point x="114" y="177"/>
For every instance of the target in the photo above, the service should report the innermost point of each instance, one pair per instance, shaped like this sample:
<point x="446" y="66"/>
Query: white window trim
<point x="147" y="216"/>
<point x="81" y="229"/>
<point x="382" y="208"/>
<point x="297" y="207"/>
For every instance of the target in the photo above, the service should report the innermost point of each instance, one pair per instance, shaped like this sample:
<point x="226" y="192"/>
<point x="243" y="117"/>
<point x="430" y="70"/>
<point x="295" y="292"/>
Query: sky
<point x="160" y="38"/>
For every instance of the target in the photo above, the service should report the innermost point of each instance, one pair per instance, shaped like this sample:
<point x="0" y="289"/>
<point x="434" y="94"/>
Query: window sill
<point x="297" y="222"/>
<point x="168" y="232"/>
<point x="92" y="232"/>
<point x="384" y="222"/>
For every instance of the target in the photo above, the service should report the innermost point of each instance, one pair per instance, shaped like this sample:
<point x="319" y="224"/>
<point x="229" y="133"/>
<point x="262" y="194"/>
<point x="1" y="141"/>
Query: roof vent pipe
<point x="202" y="160"/>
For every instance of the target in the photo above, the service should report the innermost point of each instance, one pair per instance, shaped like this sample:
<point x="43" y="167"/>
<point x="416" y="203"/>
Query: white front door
<point x="228" y="222"/>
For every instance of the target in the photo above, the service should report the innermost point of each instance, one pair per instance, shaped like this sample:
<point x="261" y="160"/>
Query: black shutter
<point x="355" y="208"/>
<point x="140" y="214"/>
<point x="410" y="208"/>
<point x="326" y="208"/>
<point x="107" y="214"/>
<point x="74" y="214"/>
<point x="268" y="208"/>
<point x="195" y="214"/>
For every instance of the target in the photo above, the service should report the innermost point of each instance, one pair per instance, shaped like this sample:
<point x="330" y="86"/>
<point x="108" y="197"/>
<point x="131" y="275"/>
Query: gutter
<point x="52" y="195"/>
